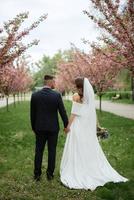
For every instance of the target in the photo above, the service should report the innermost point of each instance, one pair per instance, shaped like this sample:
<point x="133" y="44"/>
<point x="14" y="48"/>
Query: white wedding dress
<point x="84" y="164"/>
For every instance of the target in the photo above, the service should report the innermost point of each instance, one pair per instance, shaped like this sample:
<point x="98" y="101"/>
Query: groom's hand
<point x="66" y="130"/>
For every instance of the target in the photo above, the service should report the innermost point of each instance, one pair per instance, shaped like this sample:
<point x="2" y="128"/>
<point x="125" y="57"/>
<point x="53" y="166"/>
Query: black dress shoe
<point x="37" y="178"/>
<point x="49" y="176"/>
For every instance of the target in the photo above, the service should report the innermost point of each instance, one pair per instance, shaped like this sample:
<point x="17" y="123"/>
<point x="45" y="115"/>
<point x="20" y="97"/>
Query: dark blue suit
<point x="45" y="105"/>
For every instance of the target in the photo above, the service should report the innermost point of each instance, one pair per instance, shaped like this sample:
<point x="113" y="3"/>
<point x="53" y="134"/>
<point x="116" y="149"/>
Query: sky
<point x="65" y="24"/>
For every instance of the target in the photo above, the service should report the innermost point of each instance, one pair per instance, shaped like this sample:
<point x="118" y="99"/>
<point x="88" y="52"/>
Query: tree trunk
<point x="21" y="95"/>
<point x="132" y="84"/>
<point x="18" y="98"/>
<point x="7" y="102"/>
<point x="24" y="96"/>
<point x="14" y="100"/>
<point x="100" y="102"/>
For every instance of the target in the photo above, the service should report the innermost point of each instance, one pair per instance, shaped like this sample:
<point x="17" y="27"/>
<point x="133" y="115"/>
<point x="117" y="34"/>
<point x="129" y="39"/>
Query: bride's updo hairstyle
<point x="79" y="82"/>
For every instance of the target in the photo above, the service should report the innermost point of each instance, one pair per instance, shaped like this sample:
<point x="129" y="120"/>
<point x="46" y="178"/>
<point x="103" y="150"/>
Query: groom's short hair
<point x="48" y="77"/>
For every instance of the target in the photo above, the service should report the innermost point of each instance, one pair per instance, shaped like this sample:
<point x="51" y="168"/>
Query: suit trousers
<point x="43" y="137"/>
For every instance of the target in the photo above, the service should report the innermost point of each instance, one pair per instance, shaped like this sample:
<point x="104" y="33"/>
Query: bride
<point x="84" y="164"/>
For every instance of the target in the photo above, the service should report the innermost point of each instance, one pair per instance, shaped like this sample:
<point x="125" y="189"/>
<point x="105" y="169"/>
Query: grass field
<point x="17" y="154"/>
<point x="124" y="101"/>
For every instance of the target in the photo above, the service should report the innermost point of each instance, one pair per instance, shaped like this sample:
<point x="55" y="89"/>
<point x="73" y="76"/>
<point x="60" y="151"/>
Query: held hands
<point x="67" y="129"/>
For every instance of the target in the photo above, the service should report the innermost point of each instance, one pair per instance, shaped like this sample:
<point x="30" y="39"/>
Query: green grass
<point x="17" y="154"/>
<point x="124" y="101"/>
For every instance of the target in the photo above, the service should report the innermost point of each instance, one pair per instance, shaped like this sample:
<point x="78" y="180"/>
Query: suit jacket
<point x="45" y="105"/>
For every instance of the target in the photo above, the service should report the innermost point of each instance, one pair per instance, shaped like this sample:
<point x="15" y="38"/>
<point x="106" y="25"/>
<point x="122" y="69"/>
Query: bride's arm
<point x="76" y="98"/>
<point x="71" y="119"/>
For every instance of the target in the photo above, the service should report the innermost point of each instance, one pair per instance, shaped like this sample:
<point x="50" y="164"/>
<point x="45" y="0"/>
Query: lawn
<point x="123" y="101"/>
<point x="17" y="154"/>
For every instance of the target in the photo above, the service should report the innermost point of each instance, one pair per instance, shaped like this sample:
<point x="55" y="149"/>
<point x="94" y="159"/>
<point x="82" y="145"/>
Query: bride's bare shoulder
<point x="76" y="97"/>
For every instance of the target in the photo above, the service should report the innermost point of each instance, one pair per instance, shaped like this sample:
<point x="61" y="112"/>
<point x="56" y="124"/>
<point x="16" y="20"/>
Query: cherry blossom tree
<point x="71" y="69"/>
<point x="100" y="72"/>
<point x="64" y="77"/>
<point x="11" y="45"/>
<point x="117" y="22"/>
<point x="15" y="79"/>
<point x="7" y="77"/>
<point x="23" y="80"/>
<point x="103" y="73"/>
<point x="24" y="77"/>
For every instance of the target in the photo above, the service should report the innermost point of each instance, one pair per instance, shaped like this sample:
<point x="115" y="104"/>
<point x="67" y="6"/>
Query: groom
<point x="45" y="105"/>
